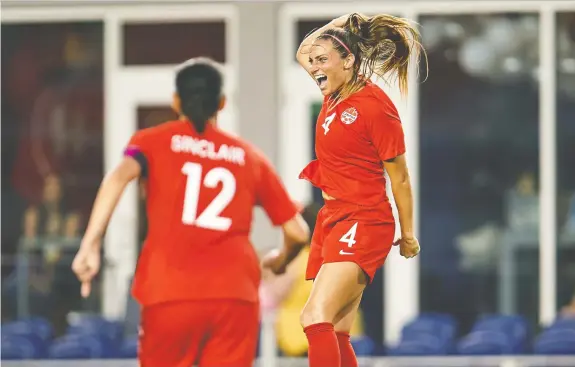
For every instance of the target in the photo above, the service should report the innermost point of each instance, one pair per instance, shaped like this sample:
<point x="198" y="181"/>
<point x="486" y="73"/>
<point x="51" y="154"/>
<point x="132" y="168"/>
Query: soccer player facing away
<point x="358" y="136"/>
<point x="198" y="275"/>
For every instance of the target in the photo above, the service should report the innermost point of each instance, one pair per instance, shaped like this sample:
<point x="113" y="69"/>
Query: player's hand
<point x="86" y="265"/>
<point x="341" y="21"/>
<point x="408" y="247"/>
<point x="276" y="261"/>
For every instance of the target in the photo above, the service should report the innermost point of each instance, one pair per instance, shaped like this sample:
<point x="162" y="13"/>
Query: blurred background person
<point x="288" y="294"/>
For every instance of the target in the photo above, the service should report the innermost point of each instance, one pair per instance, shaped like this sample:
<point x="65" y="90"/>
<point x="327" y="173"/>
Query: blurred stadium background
<point x="491" y="144"/>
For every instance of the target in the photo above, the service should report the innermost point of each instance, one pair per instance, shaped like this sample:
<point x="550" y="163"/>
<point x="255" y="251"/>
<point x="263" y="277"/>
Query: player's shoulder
<point x="372" y="102"/>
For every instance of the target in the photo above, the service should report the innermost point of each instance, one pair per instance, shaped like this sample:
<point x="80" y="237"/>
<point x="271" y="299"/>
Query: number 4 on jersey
<point x="210" y="218"/>
<point x="327" y="122"/>
<point x="349" y="237"/>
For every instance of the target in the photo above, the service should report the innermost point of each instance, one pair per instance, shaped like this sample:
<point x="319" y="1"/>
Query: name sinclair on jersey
<point x="207" y="149"/>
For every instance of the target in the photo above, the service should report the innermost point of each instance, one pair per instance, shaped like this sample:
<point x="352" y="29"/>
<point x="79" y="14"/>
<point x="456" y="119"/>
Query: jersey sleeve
<point x="272" y="195"/>
<point x="140" y="148"/>
<point x="386" y="133"/>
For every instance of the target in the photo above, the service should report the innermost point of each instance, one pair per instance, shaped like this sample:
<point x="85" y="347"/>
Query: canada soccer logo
<point x="349" y="116"/>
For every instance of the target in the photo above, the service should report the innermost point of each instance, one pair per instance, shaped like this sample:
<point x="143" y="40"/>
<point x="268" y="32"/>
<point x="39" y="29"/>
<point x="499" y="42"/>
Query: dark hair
<point x="199" y="84"/>
<point x="382" y="45"/>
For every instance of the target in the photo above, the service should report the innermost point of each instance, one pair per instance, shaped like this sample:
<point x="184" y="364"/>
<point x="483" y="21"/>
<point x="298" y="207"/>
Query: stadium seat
<point x="496" y="335"/>
<point x="556" y="342"/>
<point x="444" y="326"/>
<point x="37" y="332"/>
<point x="34" y="325"/>
<point x="17" y="348"/>
<point x="557" y="339"/>
<point x="364" y="346"/>
<point x="428" y="334"/>
<point x="421" y="345"/>
<point x="129" y="348"/>
<point x="563" y="323"/>
<point x="81" y="347"/>
<point x="111" y="331"/>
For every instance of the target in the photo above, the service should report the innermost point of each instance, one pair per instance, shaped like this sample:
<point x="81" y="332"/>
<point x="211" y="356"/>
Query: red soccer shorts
<point x="204" y="333"/>
<point x="350" y="232"/>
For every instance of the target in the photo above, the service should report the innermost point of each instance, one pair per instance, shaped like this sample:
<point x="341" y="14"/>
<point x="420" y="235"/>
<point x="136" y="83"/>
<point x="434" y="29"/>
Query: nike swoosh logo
<point x="341" y="252"/>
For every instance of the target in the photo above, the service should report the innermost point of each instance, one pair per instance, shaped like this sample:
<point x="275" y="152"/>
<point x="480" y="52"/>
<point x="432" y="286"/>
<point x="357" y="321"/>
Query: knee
<point x="314" y="314"/>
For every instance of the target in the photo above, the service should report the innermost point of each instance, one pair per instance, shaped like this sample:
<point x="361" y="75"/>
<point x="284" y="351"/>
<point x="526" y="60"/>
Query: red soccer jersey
<point x="352" y="141"/>
<point x="201" y="191"/>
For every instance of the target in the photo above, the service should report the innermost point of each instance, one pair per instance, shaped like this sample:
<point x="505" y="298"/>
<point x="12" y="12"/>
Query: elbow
<point x="301" y="235"/>
<point x="297" y="231"/>
<point x="401" y="181"/>
<point x="401" y="187"/>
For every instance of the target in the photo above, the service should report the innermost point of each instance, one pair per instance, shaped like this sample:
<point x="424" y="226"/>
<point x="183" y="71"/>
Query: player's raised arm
<point x="87" y="262"/>
<point x="303" y="54"/>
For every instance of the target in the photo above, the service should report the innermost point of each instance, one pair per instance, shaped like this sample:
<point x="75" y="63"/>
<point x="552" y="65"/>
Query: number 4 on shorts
<point x="349" y="236"/>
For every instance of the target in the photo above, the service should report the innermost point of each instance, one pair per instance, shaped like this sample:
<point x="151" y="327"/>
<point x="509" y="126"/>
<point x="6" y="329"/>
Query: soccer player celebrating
<point x="358" y="136"/>
<point x="198" y="275"/>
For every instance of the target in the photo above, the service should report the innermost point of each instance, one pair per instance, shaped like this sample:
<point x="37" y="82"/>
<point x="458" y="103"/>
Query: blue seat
<point x="419" y="345"/>
<point x="364" y="346"/>
<point x="18" y="348"/>
<point x="129" y="348"/>
<point x="81" y="346"/>
<point x="563" y="323"/>
<point x="428" y="334"/>
<point x="111" y="332"/>
<point x="36" y="331"/>
<point x="443" y="326"/>
<point x="556" y="341"/>
<point x="34" y="325"/>
<point x="496" y="335"/>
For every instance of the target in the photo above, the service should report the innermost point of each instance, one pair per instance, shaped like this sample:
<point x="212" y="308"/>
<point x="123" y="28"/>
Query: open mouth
<point x="321" y="80"/>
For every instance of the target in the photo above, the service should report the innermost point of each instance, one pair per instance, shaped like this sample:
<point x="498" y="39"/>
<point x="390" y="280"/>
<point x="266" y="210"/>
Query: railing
<point x="502" y="361"/>
<point x="42" y="272"/>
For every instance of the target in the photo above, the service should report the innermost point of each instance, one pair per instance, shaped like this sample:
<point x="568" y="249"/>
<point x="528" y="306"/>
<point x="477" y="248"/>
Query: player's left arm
<point x="386" y="134"/>
<point x="401" y="186"/>
<point x="109" y="194"/>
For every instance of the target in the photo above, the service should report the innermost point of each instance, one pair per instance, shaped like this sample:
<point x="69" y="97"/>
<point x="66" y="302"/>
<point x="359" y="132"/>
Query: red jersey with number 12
<point x="201" y="191"/>
<point x="352" y="141"/>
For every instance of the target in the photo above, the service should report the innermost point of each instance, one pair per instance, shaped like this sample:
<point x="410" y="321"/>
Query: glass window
<point x="52" y="160"/>
<point x="479" y="113"/>
<point x="566" y="161"/>
<point x="173" y="43"/>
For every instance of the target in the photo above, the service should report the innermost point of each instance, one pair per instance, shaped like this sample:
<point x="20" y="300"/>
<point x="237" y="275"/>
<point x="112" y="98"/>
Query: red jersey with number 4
<point x="352" y="141"/>
<point x="201" y="191"/>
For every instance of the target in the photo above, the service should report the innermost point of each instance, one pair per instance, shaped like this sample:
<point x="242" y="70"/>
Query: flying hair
<point x="383" y="45"/>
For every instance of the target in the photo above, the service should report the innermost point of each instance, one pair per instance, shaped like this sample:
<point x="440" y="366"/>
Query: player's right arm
<point x="109" y="194"/>
<point x="303" y="51"/>
<point x="282" y="211"/>
<point x="86" y="264"/>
